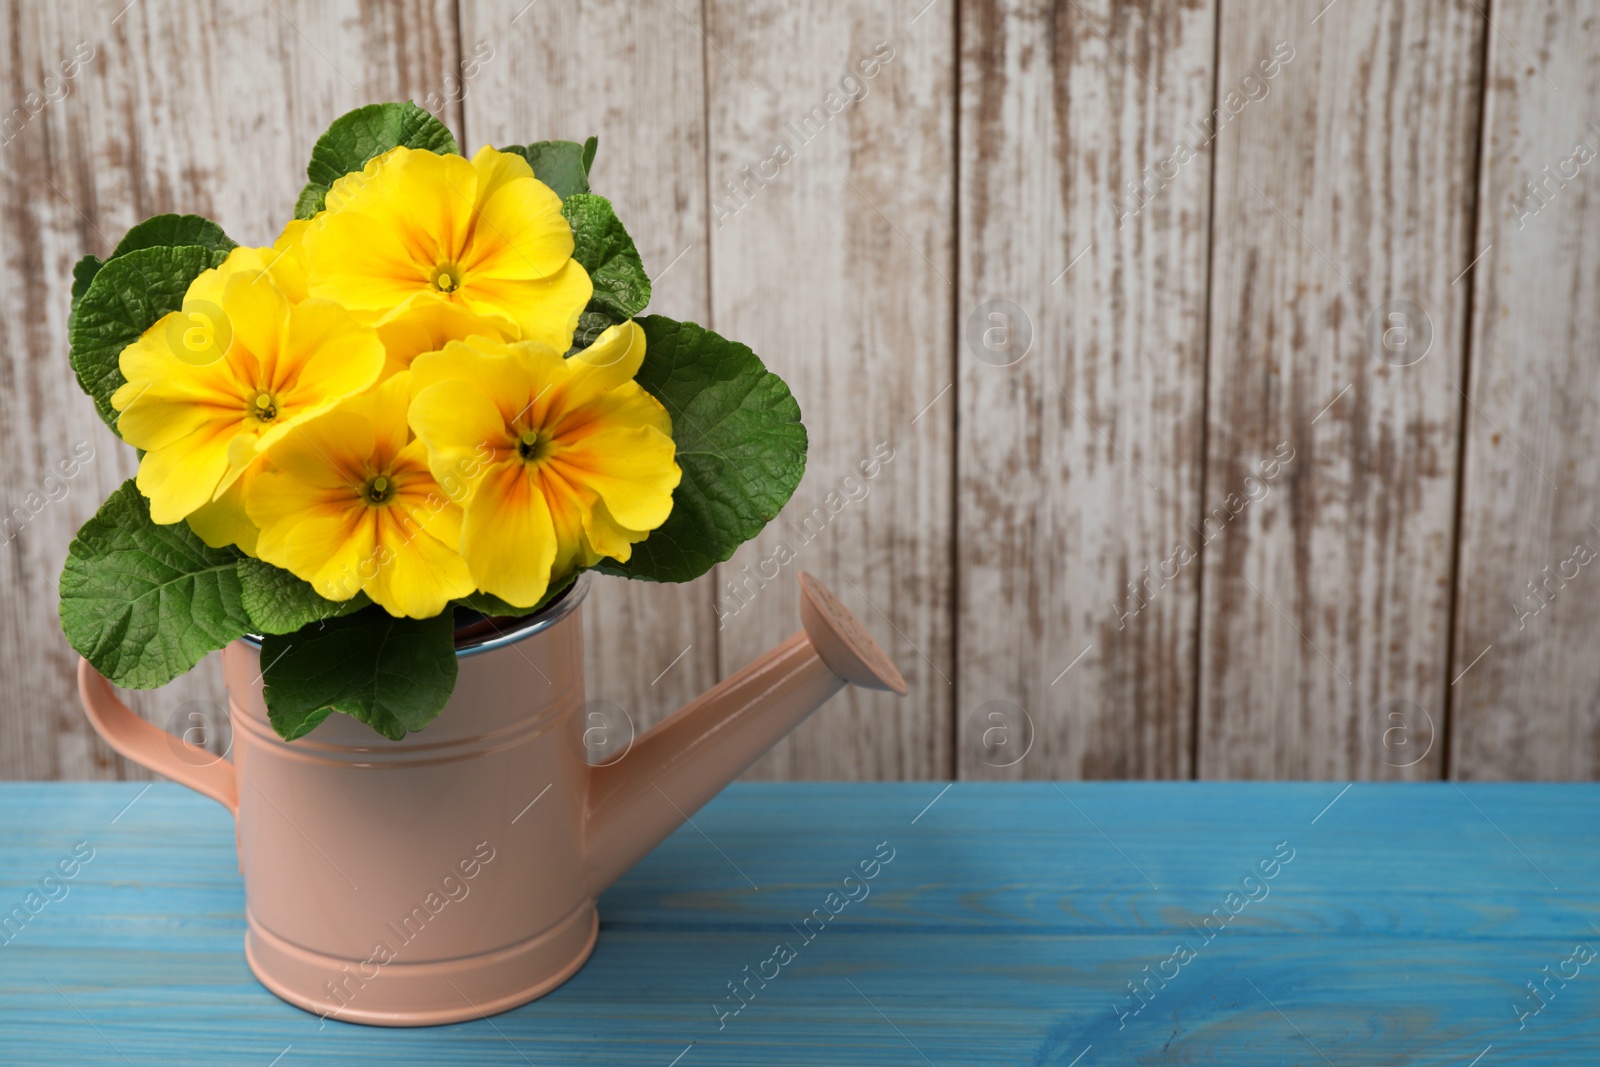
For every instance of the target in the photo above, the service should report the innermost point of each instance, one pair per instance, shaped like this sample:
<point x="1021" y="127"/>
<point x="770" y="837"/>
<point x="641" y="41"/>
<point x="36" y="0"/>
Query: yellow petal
<point x="546" y="310"/>
<point x="420" y="497"/>
<point x="184" y="475"/>
<point x="354" y="559"/>
<point x="568" y="505"/>
<point x="519" y="230"/>
<point x="316" y="532"/>
<point x="384" y="409"/>
<point x="362" y="262"/>
<point x="495" y="169"/>
<point x="283" y="264"/>
<point x="245" y="450"/>
<point x="607" y="536"/>
<point x="430" y="196"/>
<point x="349" y="184"/>
<point x="614" y="357"/>
<point x="326" y="453"/>
<point x="225" y="521"/>
<point x="329" y="356"/>
<point x="507" y="536"/>
<point x="419" y="574"/>
<point x="257" y="313"/>
<point x="153" y="420"/>
<point x="602" y="394"/>
<point x="626" y="407"/>
<point x="209" y="285"/>
<point x="632" y="470"/>
<point x="156" y="375"/>
<point x="288" y="261"/>
<point x="503" y="373"/>
<point x="427" y="326"/>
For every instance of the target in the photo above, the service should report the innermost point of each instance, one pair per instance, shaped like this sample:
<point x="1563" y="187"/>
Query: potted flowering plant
<point x="376" y="459"/>
<point x="434" y="395"/>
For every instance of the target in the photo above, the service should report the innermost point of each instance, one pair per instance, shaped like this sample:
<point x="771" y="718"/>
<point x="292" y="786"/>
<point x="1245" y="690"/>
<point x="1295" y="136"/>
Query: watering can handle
<point x="154" y="748"/>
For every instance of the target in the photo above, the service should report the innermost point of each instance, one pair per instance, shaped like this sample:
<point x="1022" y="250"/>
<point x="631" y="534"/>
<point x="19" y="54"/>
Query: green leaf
<point x="493" y="606"/>
<point x="83" y="273"/>
<point x="562" y="165"/>
<point x="155" y="232"/>
<point x="279" y="603"/>
<point x="591" y="324"/>
<point x="393" y="674"/>
<point x="127" y="296"/>
<point x="739" y="441"/>
<point x="312" y="199"/>
<point x="144" y="603"/>
<point x="173" y="231"/>
<point x="604" y="249"/>
<point x="357" y="136"/>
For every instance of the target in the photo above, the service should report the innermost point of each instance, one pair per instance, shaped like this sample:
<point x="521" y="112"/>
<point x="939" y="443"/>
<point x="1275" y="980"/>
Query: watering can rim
<point x="471" y="642"/>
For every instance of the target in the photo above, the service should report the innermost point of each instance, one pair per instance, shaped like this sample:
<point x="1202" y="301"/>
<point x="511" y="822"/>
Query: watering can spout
<point x="683" y="762"/>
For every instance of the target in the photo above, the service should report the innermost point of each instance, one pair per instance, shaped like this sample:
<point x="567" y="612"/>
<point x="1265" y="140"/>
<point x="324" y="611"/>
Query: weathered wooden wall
<point x="1082" y="347"/>
<point x="1526" y="676"/>
<point x="1343" y="197"/>
<point x="1225" y="371"/>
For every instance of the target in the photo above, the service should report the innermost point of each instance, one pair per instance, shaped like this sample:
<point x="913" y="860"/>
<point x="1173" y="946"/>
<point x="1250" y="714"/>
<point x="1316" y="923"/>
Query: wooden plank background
<point x="1528" y="613"/>
<point x="1079" y="439"/>
<point x="1226" y="370"/>
<point x="1343" y="193"/>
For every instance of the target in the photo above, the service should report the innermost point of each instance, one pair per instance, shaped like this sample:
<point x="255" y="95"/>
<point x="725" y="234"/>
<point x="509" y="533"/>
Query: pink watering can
<point x="453" y="874"/>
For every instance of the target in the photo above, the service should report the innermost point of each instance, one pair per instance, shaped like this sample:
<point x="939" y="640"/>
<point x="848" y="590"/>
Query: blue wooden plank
<point x="1007" y="928"/>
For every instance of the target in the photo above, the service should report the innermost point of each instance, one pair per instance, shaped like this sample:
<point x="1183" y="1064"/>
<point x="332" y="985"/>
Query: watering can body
<point x="453" y="874"/>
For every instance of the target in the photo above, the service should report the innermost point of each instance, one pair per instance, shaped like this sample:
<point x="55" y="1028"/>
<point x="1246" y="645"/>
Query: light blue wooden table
<point x="1014" y="924"/>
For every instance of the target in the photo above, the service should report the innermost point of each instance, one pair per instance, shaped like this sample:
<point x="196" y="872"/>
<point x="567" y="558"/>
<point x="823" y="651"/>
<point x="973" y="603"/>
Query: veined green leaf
<point x="173" y="231"/>
<point x="739" y="441"/>
<point x="279" y="603"/>
<point x="393" y="674"/>
<point x="142" y="602"/>
<point x="128" y="295"/>
<point x="604" y="249"/>
<point x="562" y="165"/>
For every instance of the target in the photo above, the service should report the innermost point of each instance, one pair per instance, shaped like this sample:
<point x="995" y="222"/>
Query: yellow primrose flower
<point x="212" y="386"/>
<point x="350" y="506"/>
<point x="560" y="462"/>
<point x="223" y="521"/>
<point x="484" y="235"/>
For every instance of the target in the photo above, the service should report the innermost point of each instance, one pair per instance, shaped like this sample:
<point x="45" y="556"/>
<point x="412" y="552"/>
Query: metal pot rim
<point x="565" y="603"/>
<point x="497" y="636"/>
